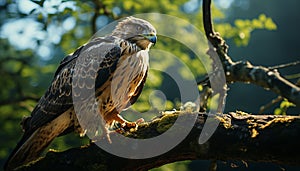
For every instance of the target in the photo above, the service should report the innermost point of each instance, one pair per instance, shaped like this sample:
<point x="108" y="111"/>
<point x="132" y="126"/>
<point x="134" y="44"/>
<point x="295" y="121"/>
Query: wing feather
<point x="104" y="52"/>
<point x="98" y="59"/>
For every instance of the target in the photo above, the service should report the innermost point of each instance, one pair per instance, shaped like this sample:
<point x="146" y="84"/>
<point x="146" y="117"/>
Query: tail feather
<point x="8" y="165"/>
<point x="28" y="149"/>
<point x="33" y="143"/>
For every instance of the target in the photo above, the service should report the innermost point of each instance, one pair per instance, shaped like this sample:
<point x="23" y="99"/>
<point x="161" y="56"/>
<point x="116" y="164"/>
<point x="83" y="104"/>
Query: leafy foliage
<point x="241" y="30"/>
<point x="65" y="25"/>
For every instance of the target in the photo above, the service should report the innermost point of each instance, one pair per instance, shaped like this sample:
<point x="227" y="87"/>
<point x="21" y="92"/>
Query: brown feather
<point x="118" y="62"/>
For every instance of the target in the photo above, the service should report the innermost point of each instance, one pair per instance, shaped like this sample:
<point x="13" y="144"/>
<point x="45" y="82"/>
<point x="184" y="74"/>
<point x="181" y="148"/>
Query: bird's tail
<point x="28" y="149"/>
<point x="34" y="142"/>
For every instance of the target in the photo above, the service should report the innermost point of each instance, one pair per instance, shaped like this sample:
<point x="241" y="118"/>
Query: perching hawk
<point x="117" y="62"/>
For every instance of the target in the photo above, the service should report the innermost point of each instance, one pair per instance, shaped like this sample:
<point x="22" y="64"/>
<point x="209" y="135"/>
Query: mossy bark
<point x="239" y="136"/>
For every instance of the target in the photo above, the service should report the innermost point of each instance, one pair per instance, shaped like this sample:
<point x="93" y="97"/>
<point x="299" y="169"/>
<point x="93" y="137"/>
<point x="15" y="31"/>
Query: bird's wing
<point x="97" y="58"/>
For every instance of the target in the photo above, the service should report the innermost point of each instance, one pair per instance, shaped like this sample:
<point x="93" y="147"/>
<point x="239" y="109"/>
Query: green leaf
<point x="270" y="25"/>
<point x="284" y="105"/>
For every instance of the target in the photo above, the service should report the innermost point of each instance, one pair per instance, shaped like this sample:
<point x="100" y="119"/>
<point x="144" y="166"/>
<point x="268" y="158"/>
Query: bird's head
<point x="137" y="31"/>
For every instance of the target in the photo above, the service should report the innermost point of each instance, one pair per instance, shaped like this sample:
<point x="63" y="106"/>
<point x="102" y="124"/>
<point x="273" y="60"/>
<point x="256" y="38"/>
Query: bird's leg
<point x="104" y="136"/>
<point x="113" y="117"/>
<point x="124" y="123"/>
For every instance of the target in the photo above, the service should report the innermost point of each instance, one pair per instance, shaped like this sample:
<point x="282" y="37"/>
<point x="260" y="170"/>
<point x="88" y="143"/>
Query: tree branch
<point x="285" y="65"/>
<point x="244" y="71"/>
<point x="240" y="136"/>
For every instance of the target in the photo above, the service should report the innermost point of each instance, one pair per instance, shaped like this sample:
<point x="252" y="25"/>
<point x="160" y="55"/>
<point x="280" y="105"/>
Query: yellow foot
<point x="130" y="125"/>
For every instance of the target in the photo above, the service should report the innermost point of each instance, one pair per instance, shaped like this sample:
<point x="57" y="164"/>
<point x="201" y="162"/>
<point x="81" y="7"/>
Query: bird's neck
<point x="129" y="48"/>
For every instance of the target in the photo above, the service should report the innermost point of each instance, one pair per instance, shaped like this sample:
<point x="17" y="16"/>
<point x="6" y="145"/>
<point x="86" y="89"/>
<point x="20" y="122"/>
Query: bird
<point x="118" y="64"/>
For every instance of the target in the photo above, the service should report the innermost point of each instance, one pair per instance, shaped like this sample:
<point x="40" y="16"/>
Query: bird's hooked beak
<point x="151" y="37"/>
<point x="144" y="41"/>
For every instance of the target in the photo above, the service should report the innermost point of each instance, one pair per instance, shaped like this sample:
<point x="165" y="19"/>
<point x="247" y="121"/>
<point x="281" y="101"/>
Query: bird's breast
<point x="122" y="85"/>
<point x="128" y="76"/>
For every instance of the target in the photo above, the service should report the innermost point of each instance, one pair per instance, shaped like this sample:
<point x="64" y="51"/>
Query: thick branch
<point x="240" y="136"/>
<point x="264" y="77"/>
<point x="244" y="71"/>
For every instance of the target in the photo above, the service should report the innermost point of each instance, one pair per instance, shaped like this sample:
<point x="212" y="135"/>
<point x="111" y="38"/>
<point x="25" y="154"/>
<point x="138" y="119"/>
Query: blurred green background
<point x="36" y="35"/>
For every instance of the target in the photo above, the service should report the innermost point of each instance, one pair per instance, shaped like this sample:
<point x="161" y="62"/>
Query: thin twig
<point x="244" y="71"/>
<point x="285" y="65"/>
<point x="270" y="104"/>
<point x="293" y="76"/>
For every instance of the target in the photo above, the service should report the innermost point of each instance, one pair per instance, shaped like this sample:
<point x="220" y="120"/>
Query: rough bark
<point x="240" y="136"/>
<point x="243" y="71"/>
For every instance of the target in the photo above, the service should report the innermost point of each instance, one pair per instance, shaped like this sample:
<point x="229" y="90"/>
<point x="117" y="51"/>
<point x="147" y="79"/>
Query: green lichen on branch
<point x="240" y="136"/>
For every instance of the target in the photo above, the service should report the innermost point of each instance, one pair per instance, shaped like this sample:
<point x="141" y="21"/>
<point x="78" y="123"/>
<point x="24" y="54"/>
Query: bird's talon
<point x="129" y="125"/>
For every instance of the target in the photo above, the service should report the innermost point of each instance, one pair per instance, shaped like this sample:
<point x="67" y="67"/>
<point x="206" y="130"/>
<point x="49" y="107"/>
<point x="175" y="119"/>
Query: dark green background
<point x="25" y="74"/>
